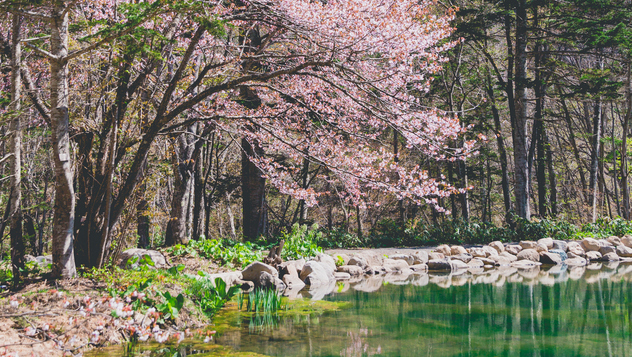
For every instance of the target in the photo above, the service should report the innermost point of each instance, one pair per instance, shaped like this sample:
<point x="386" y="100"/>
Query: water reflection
<point x="544" y="311"/>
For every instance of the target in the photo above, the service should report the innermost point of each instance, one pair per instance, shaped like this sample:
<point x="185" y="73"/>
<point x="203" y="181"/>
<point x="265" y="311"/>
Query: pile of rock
<point x="527" y="254"/>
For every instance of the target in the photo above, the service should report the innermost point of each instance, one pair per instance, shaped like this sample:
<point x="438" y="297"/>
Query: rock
<point x="572" y="255"/>
<point x="529" y="254"/>
<point x="341" y="276"/>
<point x="358" y="260"/>
<point x="316" y="273"/>
<point x="605" y="249"/>
<point x="268" y="281"/>
<point x="409" y="259"/>
<point x="393" y="266"/>
<point x="439" y="265"/>
<point x="365" y="259"/>
<point x="627" y="240"/>
<point x="421" y="257"/>
<point x="298" y="264"/>
<point x="248" y="286"/>
<point x="42" y="260"/>
<point x="352" y="270"/>
<point x="464" y="257"/>
<point x="230" y="278"/>
<point x="593" y="255"/>
<point x="137" y="254"/>
<point x="576" y="249"/>
<point x="605" y="243"/>
<point x="478" y="253"/>
<point x="457" y="249"/>
<point x="253" y="271"/>
<point x="560" y="245"/>
<point x="548" y="242"/>
<point x="614" y="240"/>
<point x="443" y="249"/>
<point x="419" y="268"/>
<point x="291" y="278"/>
<point x="435" y="256"/>
<point x="559" y="252"/>
<point x="511" y="257"/>
<point x="341" y="258"/>
<point x="488" y="261"/>
<point x="475" y="263"/>
<point x="525" y="264"/>
<point x="375" y="270"/>
<point x="498" y="245"/>
<point x="326" y="260"/>
<point x="501" y="261"/>
<point x="490" y="252"/>
<point x="539" y="247"/>
<point x="457" y="264"/>
<point x="624" y="251"/>
<point x="528" y="244"/>
<point x="550" y="258"/>
<point x="610" y="257"/>
<point x="513" y="249"/>
<point x="590" y="245"/>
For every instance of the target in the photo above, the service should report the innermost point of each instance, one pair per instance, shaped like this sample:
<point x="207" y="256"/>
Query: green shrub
<point x="301" y="242"/>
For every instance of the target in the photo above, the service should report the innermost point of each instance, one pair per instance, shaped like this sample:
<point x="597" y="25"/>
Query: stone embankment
<point x="320" y="274"/>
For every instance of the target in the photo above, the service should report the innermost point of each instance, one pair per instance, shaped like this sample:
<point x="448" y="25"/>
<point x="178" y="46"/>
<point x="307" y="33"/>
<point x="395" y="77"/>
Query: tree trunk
<point x="64" y="216"/>
<point x="15" y="147"/>
<point x="198" y="199"/>
<point x="625" y="188"/>
<point x="500" y="142"/>
<point x="594" y="158"/>
<point x="520" y="122"/>
<point x="552" y="179"/>
<point x="142" y="222"/>
<point x="182" y="160"/>
<point x="253" y="194"/>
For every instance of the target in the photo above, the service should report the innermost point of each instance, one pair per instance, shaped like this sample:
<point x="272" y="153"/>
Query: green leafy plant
<point x="301" y="242"/>
<point x="172" y="305"/>
<point x="211" y="295"/>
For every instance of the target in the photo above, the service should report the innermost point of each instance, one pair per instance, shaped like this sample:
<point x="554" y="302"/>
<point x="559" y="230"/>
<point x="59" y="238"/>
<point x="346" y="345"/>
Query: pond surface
<point x="543" y="312"/>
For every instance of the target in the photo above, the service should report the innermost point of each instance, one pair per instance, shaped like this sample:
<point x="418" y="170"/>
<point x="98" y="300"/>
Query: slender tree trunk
<point x="64" y="216"/>
<point x="594" y="158"/>
<point x="15" y="147"/>
<point x="359" y="220"/>
<point x="198" y="199"/>
<point x="500" y="142"/>
<point x="253" y="194"/>
<point x="304" y="183"/>
<point x="552" y="179"/>
<point x="142" y="222"/>
<point x="625" y="188"/>
<point x="520" y="122"/>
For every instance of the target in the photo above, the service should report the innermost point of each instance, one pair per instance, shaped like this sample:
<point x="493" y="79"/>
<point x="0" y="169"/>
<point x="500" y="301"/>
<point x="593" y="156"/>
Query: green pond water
<point x="544" y="312"/>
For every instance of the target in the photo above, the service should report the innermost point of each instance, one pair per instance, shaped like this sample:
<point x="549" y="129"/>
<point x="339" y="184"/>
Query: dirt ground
<point x="66" y="318"/>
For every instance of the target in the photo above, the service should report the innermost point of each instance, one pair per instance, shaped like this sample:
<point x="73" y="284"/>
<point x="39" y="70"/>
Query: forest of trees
<point x="153" y="123"/>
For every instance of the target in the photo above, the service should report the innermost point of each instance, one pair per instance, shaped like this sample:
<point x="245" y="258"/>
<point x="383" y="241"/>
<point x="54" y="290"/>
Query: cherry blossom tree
<point x="297" y="80"/>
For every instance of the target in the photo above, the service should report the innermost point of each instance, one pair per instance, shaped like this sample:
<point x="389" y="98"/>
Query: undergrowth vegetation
<point x="390" y="233"/>
<point x="300" y="242"/>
